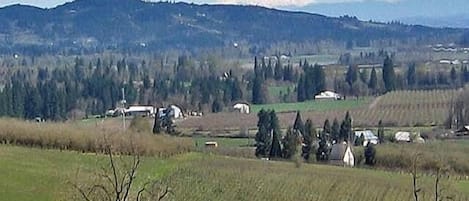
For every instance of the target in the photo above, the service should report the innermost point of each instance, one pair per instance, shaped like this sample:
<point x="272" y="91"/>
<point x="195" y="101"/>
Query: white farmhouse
<point x="327" y="95"/>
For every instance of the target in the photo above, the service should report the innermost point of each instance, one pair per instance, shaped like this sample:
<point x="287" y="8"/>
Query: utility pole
<point x="123" y="102"/>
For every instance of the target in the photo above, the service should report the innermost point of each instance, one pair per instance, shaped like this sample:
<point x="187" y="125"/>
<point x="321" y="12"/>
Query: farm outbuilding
<point x="242" y="108"/>
<point x="140" y="110"/>
<point x="369" y="136"/>
<point x="174" y="112"/>
<point x="402" y="137"/>
<point x="327" y="95"/>
<point x="342" y="155"/>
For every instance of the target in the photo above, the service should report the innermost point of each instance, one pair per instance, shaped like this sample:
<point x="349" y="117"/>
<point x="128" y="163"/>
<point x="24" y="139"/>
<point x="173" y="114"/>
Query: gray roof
<point x="338" y="151"/>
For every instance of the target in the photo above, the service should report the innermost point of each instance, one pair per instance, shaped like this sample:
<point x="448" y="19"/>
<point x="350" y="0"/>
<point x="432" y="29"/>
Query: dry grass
<point x="89" y="138"/>
<point x="219" y="178"/>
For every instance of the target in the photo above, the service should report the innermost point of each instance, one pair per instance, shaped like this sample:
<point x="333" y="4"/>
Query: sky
<point x="268" y="3"/>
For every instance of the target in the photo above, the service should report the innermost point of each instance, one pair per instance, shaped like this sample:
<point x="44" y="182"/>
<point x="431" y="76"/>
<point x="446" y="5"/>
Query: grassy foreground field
<point x="36" y="174"/>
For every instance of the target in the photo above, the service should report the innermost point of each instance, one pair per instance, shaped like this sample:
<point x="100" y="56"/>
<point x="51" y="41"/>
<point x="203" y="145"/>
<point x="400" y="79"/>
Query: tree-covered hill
<point x="120" y="24"/>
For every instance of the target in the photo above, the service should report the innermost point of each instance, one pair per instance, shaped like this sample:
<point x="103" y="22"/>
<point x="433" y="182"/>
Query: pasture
<point x="324" y="105"/>
<point x="395" y="109"/>
<point x="40" y="175"/>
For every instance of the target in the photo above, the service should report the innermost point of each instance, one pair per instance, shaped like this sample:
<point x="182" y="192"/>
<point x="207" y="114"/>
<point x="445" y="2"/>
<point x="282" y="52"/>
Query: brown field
<point x="90" y="138"/>
<point x="400" y="108"/>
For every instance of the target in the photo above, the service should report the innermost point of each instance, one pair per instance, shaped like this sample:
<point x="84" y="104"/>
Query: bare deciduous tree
<point x="116" y="182"/>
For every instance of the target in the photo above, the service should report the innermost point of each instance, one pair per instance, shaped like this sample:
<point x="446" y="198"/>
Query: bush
<point x="90" y="138"/>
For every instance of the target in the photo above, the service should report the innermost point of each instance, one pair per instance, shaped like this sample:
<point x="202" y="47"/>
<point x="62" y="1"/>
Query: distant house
<point x="402" y="137"/>
<point x="369" y="136"/>
<point x="463" y="131"/>
<point x="140" y="110"/>
<point x="174" y="112"/>
<point x="242" y="108"/>
<point x="342" y="155"/>
<point x="327" y="95"/>
<point x="211" y="144"/>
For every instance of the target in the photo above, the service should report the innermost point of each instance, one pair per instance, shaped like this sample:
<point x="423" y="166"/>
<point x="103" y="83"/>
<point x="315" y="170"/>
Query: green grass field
<point x="29" y="174"/>
<point x="314" y="105"/>
<point x="224" y="142"/>
<point x="44" y="175"/>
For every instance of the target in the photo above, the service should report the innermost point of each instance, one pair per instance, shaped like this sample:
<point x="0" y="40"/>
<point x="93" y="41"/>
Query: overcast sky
<point x="269" y="3"/>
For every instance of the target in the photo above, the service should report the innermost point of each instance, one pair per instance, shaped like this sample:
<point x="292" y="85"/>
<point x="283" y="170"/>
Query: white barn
<point x="327" y="95"/>
<point x="402" y="136"/>
<point x="242" y="108"/>
<point x="175" y="112"/>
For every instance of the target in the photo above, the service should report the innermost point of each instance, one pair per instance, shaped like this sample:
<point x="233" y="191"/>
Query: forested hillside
<point x="131" y="25"/>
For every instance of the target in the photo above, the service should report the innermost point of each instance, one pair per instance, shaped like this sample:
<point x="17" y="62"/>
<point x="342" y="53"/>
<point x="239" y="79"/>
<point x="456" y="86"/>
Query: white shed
<point x="327" y="95"/>
<point x="242" y="108"/>
<point x="402" y="136"/>
<point x="175" y="112"/>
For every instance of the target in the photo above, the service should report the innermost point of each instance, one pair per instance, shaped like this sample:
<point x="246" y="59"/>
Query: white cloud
<point x="298" y="3"/>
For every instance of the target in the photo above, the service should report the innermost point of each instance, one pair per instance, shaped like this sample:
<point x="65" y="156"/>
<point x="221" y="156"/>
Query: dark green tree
<point x="370" y="154"/>
<point x="157" y="125"/>
<point x="263" y="136"/>
<point x="290" y="143"/>
<point x="373" y="83"/>
<point x="322" y="153"/>
<point x="380" y="132"/>
<point x="308" y="138"/>
<point x="346" y="129"/>
<point x="300" y="90"/>
<point x="298" y="125"/>
<point x="352" y="74"/>
<point x="276" y="149"/>
<point x="335" y="130"/>
<point x="326" y="129"/>
<point x="217" y="106"/>
<point x="411" y="75"/>
<point x="389" y="76"/>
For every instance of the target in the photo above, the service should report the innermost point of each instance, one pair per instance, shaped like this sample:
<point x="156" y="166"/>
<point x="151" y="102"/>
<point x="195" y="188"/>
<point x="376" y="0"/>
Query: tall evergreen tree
<point x="380" y="132"/>
<point x="370" y="154"/>
<point x="290" y="143"/>
<point x="298" y="125"/>
<point x="263" y="135"/>
<point x="300" y="90"/>
<point x="276" y="149"/>
<point x="411" y="75"/>
<point x="346" y="129"/>
<point x="389" y="76"/>
<point x="352" y="74"/>
<point x="326" y="129"/>
<point x="335" y="130"/>
<point x="373" y="83"/>
<point x="308" y="139"/>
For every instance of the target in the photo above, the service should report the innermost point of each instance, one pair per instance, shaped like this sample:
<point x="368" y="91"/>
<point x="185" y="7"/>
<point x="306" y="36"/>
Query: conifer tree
<point x="389" y="76"/>
<point x="298" y="125"/>
<point x="290" y="143"/>
<point x="308" y="138"/>
<point x="373" y="83"/>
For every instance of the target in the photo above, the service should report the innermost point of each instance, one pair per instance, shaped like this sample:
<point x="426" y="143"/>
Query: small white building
<point x="175" y="112"/>
<point x="328" y="95"/>
<point x="402" y="137"/>
<point x="342" y="155"/>
<point x="369" y="136"/>
<point x="242" y="108"/>
<point x="140" y="110"/>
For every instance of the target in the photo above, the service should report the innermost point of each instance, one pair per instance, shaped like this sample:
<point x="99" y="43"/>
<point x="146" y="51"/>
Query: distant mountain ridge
<point x="108" y="24"/>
